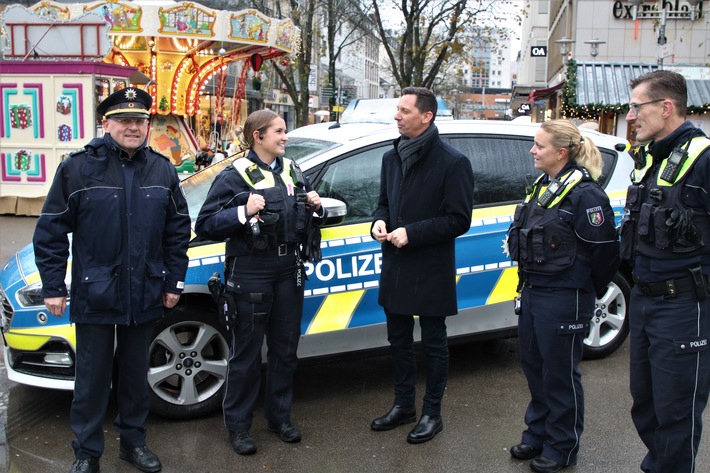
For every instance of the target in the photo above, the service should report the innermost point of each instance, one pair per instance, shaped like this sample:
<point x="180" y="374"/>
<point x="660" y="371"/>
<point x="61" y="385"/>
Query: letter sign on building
<point x="538" y="51"/>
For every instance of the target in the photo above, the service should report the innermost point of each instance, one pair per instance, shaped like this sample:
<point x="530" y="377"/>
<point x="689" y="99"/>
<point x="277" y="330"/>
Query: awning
<point x="601" y="83"/>
<point x="540" y="94"/>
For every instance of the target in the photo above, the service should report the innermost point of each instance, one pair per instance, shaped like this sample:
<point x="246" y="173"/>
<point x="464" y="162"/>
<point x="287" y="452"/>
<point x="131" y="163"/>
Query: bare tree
<point x="421" y="36"/>
<point x="346" y="24"/>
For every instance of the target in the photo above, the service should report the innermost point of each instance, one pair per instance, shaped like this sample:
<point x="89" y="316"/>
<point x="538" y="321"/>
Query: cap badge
<point x="131" y="94"/>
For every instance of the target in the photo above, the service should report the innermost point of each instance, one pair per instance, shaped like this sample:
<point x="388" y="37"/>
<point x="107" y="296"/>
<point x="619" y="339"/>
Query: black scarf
<point x="409" y="148"/>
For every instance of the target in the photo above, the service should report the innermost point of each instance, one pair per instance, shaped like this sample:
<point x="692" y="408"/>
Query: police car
<point x="188" y="355"/>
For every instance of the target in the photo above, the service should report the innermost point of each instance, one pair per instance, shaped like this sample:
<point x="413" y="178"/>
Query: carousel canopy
<point x="179" y="46"/>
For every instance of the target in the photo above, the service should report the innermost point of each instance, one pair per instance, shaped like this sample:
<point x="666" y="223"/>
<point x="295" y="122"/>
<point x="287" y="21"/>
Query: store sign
<point x="538" y="51"/>
<point x="313" y="80"/>
<point x="625" y="10"/>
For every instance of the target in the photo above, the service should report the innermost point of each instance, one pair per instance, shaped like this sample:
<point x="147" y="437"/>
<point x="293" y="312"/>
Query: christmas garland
<point x="570" y="108"/>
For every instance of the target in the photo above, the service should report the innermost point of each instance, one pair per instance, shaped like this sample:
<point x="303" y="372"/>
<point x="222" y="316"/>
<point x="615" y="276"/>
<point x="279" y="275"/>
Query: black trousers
<point x="92" y="386"/>
<point x="279" y="320"/>
<point x="404" y="365"/>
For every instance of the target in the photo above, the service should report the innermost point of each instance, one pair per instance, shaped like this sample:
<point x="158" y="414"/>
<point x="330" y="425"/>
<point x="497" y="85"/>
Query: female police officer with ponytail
<point x="268" y="214"/>
<point x="564" y="241"/>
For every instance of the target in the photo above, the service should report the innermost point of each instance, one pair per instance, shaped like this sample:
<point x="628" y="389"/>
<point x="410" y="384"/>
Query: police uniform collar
<point x="567" y="167"/>
<point x="278" y="166"/>
<point x="662" y="148"/>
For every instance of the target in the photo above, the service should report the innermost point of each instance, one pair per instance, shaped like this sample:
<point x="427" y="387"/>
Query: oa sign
<point x="538" y="51"/>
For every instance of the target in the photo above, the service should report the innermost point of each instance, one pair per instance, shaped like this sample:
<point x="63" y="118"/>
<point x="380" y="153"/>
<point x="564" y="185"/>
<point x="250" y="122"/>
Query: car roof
<point x="338" y="139"/>
<point x="343" y="133"/>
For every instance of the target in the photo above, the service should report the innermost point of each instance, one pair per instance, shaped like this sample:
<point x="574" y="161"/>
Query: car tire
<point x="609" y="326"/>
<point x="188" y="364"/>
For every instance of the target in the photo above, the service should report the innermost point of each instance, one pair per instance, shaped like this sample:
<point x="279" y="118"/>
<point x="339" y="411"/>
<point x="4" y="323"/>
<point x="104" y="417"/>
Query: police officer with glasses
<point x="665" y="236"/>
<point x="123" y="204"/>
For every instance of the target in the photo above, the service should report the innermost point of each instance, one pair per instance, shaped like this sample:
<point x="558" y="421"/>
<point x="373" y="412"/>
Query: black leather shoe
<point x="426" y="429"/>
<point x="545" y="465"/>
<point x="242" y="443"/>
<point x="523" y="451"/>
<point x="141" y="457"/>
<point x="288" y="432"/>
<point x="398" y="415"/>
<point x="85" y="465"/>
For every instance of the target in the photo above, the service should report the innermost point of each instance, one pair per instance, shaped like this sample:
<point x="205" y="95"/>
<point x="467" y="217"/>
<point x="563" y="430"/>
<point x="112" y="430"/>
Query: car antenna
<point x="337" y="121"/>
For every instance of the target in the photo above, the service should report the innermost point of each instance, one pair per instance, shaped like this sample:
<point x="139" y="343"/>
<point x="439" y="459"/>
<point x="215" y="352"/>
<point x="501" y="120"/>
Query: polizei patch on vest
<point x="595" y="216"/>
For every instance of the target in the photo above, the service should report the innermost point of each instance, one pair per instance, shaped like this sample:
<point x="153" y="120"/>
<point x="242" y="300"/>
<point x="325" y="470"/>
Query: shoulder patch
<point x="595" y="215"/>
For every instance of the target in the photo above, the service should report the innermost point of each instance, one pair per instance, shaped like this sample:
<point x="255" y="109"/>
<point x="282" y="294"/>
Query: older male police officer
<point x="123" y="204"/>
<point x="666" y="235"/>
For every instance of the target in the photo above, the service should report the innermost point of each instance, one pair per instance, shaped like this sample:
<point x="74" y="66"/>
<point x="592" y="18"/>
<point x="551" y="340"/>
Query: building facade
<point x="595" y="47"/>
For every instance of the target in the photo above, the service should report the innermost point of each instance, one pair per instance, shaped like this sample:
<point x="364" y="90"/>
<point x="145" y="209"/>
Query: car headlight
<point x="31" y="295"/>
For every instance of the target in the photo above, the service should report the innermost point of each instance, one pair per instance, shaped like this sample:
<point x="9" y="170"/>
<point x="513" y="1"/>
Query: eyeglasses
<point x="130" y="121"/>
<point x="634" y="107"/>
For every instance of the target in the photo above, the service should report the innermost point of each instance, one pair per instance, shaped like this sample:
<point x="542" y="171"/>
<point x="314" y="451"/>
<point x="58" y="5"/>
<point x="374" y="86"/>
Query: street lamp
<point x="595" y="42"/>
<point x="565" y="46"/>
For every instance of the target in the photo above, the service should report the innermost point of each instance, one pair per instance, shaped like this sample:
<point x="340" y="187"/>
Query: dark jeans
<point x="273" y="275"/>
<point x="92" y="387"/>
<point x="404" y="365"/>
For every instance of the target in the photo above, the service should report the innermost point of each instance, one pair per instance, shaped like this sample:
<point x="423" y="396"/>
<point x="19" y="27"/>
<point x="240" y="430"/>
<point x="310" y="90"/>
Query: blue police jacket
<point x="219" y="217"/>
<point x="650" y="268"/>
<point x="130" y="229"/>
<point x="572" y="243"/>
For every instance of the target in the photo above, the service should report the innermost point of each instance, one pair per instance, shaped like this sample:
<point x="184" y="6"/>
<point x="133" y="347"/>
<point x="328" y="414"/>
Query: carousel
<point x="178" y="48"/>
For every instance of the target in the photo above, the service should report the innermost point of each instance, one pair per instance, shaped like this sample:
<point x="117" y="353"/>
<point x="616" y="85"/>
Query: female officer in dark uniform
<point x="564" y="241"/>
<point x="264" y="209"/>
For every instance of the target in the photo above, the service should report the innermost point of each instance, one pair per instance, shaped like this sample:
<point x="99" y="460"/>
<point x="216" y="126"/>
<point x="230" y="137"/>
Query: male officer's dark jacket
<point x="571" y="242"/>
<point x="666" y="229"/>
<point x="130" y="232"/>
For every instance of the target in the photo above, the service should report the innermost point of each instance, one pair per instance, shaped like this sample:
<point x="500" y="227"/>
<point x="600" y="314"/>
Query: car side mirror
<point x="337" y="210"/>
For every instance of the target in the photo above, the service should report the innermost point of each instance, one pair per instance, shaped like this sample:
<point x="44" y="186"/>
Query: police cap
<point x="126" y="103"/>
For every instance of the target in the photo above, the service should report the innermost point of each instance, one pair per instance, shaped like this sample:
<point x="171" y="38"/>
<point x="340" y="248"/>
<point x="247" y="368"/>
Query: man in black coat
<point x="123" y="204"/>
<point x="426" y="197"/>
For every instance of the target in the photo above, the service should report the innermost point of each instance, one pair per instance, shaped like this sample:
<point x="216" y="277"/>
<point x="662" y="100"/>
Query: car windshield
<point x="198" y="185"/>
<point x="300" y="149"/>
<point x="370" y="111"/>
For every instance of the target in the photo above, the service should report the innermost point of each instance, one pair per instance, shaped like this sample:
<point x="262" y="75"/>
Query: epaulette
<point x="154" y="151"/>
<point x="76" y="152"/>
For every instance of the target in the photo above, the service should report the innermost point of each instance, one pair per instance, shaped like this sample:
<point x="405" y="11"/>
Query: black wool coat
<point x="433" y="202"/>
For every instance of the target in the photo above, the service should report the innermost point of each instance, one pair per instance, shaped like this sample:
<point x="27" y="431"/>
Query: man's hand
<point x="56" y="305"/>
<point x="170" y="299"/>
<point x="379" y="231"/>
<point x="398" y="237"/>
